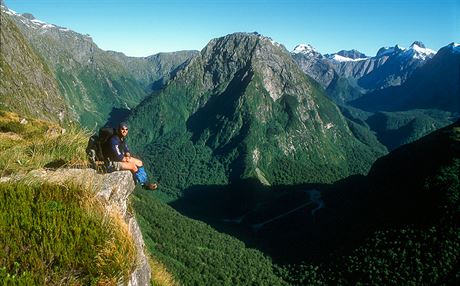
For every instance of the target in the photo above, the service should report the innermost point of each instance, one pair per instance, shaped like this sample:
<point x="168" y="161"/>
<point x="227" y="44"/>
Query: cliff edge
<point x="113" y="190"/>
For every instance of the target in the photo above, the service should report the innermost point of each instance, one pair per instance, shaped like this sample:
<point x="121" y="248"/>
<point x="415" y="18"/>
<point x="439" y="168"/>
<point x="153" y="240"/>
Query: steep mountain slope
<point x="436" y="85"/>
<point x="244" y="109"/>
<point x="407" y="215"/>
<point x="314" y="64"/>
<point x="93" y="81"/>
<point x="399" y="224"/>
<point x="196" y="253"/>
<point x="27" y="85"/>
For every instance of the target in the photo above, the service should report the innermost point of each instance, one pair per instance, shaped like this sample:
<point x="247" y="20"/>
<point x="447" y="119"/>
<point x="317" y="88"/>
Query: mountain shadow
<point x="411" y="194"/>
<point x="288" y="223"/>
<point x="116" y="116"/>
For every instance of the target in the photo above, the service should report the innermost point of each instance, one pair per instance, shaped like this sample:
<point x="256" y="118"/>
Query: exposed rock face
<point x="314" y="64"/>
<point x="113" y="189"/>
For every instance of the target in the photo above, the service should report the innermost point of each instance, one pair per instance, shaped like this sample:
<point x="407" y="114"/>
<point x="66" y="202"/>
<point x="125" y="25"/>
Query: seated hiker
<point x="121" y="157"/>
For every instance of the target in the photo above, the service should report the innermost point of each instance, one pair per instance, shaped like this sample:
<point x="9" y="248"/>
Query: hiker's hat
<point x="123" y="125"/>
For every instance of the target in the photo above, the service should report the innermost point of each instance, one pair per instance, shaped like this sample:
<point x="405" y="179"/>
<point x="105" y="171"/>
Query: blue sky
<point x="146" y="27"/>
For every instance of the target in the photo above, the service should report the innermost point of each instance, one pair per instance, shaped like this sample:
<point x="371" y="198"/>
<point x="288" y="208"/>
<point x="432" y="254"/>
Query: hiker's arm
<point x="116" y="150"/>
<point x="126" y="150"/>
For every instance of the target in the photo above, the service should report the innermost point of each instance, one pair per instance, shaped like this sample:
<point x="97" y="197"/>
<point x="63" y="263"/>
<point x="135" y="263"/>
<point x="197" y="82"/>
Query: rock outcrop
<point x="113" y="190"/>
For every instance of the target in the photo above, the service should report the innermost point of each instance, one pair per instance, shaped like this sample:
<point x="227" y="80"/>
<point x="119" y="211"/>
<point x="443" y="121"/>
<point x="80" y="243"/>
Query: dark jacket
<point x="118" y="148"/>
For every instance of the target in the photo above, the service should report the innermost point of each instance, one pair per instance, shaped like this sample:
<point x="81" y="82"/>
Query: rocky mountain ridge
<point x="27" y="86"/>
<point x="93" y="82"/>
<point x="390" y="67"/>
<point x="435" y="85"/>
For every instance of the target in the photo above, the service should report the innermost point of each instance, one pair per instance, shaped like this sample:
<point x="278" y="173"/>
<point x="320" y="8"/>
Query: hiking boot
<point x="150" y="186"/>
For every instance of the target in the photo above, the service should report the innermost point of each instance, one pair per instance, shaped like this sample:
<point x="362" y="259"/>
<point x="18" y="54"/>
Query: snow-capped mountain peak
<point x="347" y="56"/>
<point x="304" y="49"/>
<point x="418" y="44"/>
<point x="29" y="19"/>
<point x="339" y="58"/>
<point x="418" y="51"/>
<point x="387" y="51"/>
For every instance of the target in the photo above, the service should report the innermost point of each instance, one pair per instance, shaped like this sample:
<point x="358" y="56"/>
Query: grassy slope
<point x="25" y="76"/>
<point x="61" y="234"/>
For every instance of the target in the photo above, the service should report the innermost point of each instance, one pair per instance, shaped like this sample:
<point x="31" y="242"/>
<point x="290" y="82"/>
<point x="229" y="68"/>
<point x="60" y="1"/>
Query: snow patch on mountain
<point x="387" y="51"/>
<point x="42" y="24"/>
<point x="29" y="20"/>
<point x="455" y="47"/>
<point x="304" y="49"/>
<point x="340" y="58"/>
<point x="9" y="11"/>
<point x="418" y="51"/>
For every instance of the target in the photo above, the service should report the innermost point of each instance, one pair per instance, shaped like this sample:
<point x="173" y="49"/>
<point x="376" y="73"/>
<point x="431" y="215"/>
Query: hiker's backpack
<point x="97" y="149"/>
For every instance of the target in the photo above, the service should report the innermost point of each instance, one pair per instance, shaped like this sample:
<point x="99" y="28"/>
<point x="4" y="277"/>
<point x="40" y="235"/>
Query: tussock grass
<point x="61" y="235"/>
<point x="35" y="144"/>
<point x="58" y="233"/>
<point x="160" y="275"/>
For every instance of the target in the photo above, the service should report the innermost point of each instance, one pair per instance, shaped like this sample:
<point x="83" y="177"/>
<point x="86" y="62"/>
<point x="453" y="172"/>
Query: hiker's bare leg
<point x="129" y="166"/>
<point x="135" y="161"/>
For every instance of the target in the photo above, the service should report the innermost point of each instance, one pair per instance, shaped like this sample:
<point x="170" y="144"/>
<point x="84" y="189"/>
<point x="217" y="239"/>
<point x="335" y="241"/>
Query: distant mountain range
<point x="411" y="91"/>
<point x="435" y="85"/>
<point x="93" y="82"/>
<point x="390" y="67"/>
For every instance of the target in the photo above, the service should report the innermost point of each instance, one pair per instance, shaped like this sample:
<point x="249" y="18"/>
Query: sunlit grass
<point x="58" y="233"/>
<point x="160" y="275"/>
<point x="31" y="144"/>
